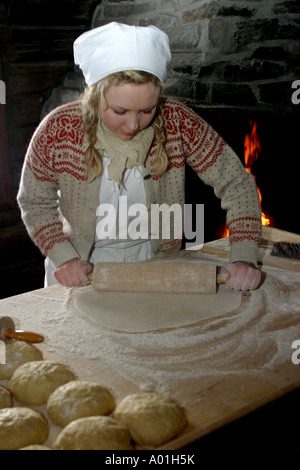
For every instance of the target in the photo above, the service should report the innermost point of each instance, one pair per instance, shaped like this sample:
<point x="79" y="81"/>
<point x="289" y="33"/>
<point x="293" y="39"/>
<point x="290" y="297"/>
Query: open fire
<point x="252" y="148"/>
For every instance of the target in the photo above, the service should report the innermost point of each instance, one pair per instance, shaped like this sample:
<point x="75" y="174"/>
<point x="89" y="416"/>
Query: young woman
<point x="91" y="164"/>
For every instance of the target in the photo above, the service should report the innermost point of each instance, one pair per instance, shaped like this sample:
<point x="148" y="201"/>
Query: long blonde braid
<point x="90" y="113"/>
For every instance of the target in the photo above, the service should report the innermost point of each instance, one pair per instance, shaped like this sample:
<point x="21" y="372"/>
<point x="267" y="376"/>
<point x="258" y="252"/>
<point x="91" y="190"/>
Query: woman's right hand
<point x="74" y="273"/>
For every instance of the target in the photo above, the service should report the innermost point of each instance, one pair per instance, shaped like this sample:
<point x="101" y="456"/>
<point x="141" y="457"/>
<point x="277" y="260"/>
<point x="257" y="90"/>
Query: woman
<point x="125" y="142"/>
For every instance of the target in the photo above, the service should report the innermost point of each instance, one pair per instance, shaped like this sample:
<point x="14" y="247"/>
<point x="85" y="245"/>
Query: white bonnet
<point x="115" y="47"/>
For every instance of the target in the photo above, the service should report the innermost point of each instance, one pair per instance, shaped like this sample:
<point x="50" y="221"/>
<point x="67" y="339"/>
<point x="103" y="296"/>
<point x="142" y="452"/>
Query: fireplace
<point x="275" y="169"/>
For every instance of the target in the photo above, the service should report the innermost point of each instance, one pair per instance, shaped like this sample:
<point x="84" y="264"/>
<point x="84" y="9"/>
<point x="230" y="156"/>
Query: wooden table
<point x="219" y="369"/>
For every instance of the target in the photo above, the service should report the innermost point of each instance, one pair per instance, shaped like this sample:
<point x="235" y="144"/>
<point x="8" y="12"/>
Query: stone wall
<point x="235" y="53"/>
<point x="36" y="40"/>
<point x="225" y="53"/>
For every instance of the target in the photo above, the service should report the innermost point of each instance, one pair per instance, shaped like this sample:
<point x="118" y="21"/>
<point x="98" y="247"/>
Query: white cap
<point x="115" y="47"/>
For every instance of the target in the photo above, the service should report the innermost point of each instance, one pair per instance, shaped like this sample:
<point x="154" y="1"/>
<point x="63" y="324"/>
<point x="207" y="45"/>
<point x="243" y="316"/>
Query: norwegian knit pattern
<point x="54" y="168"/>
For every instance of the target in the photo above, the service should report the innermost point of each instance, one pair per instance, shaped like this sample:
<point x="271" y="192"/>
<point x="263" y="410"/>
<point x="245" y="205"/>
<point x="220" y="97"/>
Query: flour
<point x="261" y="329"/>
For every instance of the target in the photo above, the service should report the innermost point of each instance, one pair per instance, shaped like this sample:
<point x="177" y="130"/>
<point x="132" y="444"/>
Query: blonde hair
<point x="90" y="113"/>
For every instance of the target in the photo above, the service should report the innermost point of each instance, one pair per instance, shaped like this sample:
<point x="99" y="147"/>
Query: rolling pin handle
<point x="8" y="332"/>
<point x="27" y="336"/>
<point x="220" y="279"/>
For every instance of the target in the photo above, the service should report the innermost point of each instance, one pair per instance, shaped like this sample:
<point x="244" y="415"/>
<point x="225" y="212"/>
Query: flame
<point x="252" y="147"/>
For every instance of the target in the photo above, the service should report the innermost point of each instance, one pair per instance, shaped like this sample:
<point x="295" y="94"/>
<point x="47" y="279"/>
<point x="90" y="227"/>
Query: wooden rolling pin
<point x="7" y="332"/>
<point x="156" y="277"/>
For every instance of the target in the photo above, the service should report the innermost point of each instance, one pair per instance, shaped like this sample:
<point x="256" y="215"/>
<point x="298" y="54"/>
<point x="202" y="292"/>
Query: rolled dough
<point x="141" y="312"/>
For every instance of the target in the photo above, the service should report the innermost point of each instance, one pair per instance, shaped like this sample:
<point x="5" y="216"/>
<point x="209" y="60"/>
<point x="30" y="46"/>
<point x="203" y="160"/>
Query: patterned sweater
<point x="58" y="201"/>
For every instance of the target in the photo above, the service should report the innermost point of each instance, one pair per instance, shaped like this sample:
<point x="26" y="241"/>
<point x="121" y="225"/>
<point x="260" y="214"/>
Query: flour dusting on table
<point x="263" y="329"/>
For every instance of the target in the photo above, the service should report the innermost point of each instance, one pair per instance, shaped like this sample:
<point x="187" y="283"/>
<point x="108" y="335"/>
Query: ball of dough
<point x="6" y="400"/>
<point x="36" y="447"/>
<point x="21" y="427"/>
<point x="17" y="353"/>
<point x="34" y="381"/>
<point x="94" y="433"/>
<point x="78" y="399"/>
<point x="151" y="418"/>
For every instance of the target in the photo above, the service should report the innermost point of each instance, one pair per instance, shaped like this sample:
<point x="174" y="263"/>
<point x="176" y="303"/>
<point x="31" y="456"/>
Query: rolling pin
<point x="156" y="277"/>
<point x="7" y="332"/>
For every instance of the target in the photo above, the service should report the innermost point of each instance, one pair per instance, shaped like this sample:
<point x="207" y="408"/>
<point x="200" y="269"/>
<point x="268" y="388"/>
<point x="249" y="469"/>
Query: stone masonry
<point x="232" y="53"/>
<point x="225" y="53"/>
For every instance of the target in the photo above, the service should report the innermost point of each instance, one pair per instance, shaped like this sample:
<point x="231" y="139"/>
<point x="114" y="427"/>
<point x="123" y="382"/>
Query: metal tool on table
<point x="156" y="277"/>
<point x="8" y="332"/>
<point x="286" y="250"/>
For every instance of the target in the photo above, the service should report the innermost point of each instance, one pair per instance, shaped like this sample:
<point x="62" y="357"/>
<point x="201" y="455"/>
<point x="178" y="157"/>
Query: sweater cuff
<point x="62" y="252"/>
<point x="244" y="251"/>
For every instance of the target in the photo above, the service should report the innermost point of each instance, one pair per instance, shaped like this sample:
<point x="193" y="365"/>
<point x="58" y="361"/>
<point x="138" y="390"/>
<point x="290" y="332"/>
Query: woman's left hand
<point x="241" y="276"/>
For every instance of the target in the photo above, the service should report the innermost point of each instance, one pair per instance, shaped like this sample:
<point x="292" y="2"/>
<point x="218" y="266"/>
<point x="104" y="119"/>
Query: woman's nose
<point x="133" y="122"/>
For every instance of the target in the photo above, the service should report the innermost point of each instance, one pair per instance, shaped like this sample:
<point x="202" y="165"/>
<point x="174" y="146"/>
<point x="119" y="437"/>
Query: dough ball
<point x="36" y="447"/>
<point x="34" y="381"/>
<point x="6" y="400"/>
<point x="17" y="353"/>
<point x="151" y="418"/>
<point x="20" y="427"/>
<point x="78" y="399"/>
<point x="94" y="433"/>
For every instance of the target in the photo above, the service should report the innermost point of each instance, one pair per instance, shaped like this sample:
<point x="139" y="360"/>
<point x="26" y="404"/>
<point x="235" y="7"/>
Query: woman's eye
<point x="120" y="113"/>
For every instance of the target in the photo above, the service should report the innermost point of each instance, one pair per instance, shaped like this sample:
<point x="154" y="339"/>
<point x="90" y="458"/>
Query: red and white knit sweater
<point x="58" y="202"/>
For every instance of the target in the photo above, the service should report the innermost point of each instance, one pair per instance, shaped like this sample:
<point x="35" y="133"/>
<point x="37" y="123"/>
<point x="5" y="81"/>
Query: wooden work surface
<point x="219" y="369"/>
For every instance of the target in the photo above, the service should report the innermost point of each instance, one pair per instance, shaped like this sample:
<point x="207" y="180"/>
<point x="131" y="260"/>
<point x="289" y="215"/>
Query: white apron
<point x="115" y="198"/>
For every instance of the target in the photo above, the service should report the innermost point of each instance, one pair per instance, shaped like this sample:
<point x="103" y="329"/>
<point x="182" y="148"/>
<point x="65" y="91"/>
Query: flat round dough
<point x="34" y="381"/>
<point x="78" y="399"/>
<point x="94" y="433"/>
<point x="16" y="354"/>
<point x="138" y="312"/>
<point x="20" y="427"/>
<point x="152" y="419"/>
<point x="6" y="400"/>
